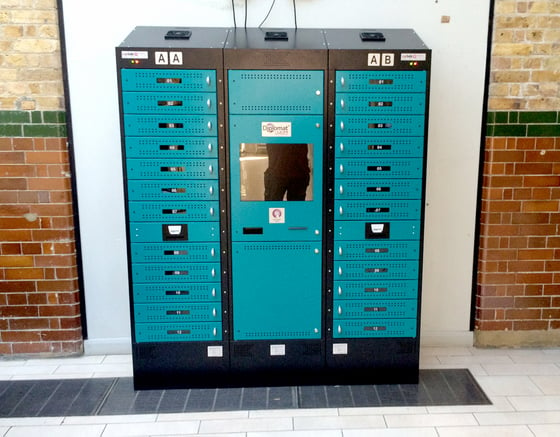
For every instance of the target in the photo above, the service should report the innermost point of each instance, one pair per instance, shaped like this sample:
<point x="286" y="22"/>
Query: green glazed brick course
<point x="33" y="124"/>
<point x="523" y="124"/>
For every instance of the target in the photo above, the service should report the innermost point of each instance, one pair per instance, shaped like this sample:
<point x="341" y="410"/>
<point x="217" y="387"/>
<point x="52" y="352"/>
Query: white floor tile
<point x="241" y="425"/>
<point x="522" y="369"/>
<point x="294" y="413"/>
<point x="536" y="403"/>
<point x="485" y="431"/>
<point x="550" y="385"/>
<point x="420" y="420"/>
<point x="56" y="431"/>
<point x="331" y="433"/>
<point x="508" y="386"/>
<point x="30" y="421"/>
<point x="381" y="411"/>
<point x="499" y="404"/>
<point x="85" y="420"/>
<point x="392" y="432"/>
<point x="213" y="415"/>
<point x="518" y="418"/>
<point x="545" y="430"/>
<point x="346" y="422"/>
<point x="151" y="429"/>
<point x="475" y="359"/>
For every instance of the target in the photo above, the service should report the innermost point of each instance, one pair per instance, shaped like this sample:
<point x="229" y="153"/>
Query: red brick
<point x="497" y="302"/>
<point x="525" y="143"/>
<point x="536" y="242"/>
<point x="19" y="311"/>
<point x="543" y="156"/>
<point x="551" y="289"/>
<point x="51" y="157"/>
<point x="21" y="336"/>
<point x="33" y="348"/>
<point x="49" y="183"/>
<point x="533" y="278"/>
<point x="25" y="273"/>
<point x="506" y="181"/>
<point x="10" y="249"/>
<point x="532" y="302"/>
<point x="551" y="313"/>
<point x="523" y="314"/>
<point x="526" y="266"/>
<point x="531" y="325"/>
<point x="57" y="285"/>
<point x="531" y="254"/>
<point x="28" y="324"/>
<point x="505" y="206"/>
<point x="17" y="286"/>
<point x="31" y="248"/>
<point x="533" y="290"/>
<point x="552" y="266"/>
<point x="525" y="218"/>
<point x="59" y="310"/>
<point x="61" y="335"/>
<point x="12" y="157"/>
<point x="507" y="156"/>
<point x="532" y="229"/>
<point x="23" y="143"/>
<point x="550" y="206"/>
<point x="533" y="169"/>
<point x="541" y="181"/>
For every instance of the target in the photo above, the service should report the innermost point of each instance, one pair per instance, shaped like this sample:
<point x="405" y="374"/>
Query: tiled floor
<point x="523" y="385"/>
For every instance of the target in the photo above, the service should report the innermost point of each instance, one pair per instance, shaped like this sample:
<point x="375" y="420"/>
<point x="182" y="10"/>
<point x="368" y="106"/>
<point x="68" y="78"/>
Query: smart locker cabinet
<point x="274" y="189"/>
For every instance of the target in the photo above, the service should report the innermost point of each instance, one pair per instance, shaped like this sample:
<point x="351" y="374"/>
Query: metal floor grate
<point x="110" y="396"/>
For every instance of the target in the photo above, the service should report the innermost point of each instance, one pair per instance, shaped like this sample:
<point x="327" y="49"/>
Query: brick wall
<point x="518" y="301"/>
<point x="39" y="302"/>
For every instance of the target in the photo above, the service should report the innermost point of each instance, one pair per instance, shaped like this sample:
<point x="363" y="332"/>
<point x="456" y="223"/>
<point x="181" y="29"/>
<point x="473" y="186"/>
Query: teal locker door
<point x="276" y="122"/>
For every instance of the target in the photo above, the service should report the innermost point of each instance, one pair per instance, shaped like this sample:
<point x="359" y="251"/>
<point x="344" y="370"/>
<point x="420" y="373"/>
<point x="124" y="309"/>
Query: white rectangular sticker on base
<point x="277" y="350"/>
<point x="340" y="349"/>
<point x="215" y="351"/>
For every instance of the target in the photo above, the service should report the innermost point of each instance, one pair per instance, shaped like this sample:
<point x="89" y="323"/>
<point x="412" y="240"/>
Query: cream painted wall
<point x="457" y="87"/>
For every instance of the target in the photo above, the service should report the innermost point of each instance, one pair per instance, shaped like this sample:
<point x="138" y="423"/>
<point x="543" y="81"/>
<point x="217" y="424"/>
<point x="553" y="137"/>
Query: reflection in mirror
<point x="276" y="172"/>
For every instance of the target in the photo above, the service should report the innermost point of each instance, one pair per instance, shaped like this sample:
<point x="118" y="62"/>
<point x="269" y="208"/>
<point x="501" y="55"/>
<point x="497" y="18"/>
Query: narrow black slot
<point x="375" y="328"/>
<point x="176" y="272"/>
<point x="379" y="147"/>
<point x="177" y="313"/>
<point x="376" y="290"/>
<point x="179" y="332"/>
<point x="253" y="231"/>
<point x="378" y="210"/>
<point x="175" y="252"/>
<point x="170" y="103"/>
<point x="378" y="125"/>
<point x="174" y="211"/>
<point x="177" y="293"/>
<point x="381" y="81"/>
<point x="171" y="147"/>
<point x="378" y="189"/>
<point x="173" y="190"/>
<point x="377" y="270"/>
<point x="380" y="104"/>
<point x="170" y="125"/>
<point x="375" y="309"/>
<point x="169" y="80"/>
<point x="377" y="250"/>
<point x="172" y="169"/>
<point x="379" y="168"/>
